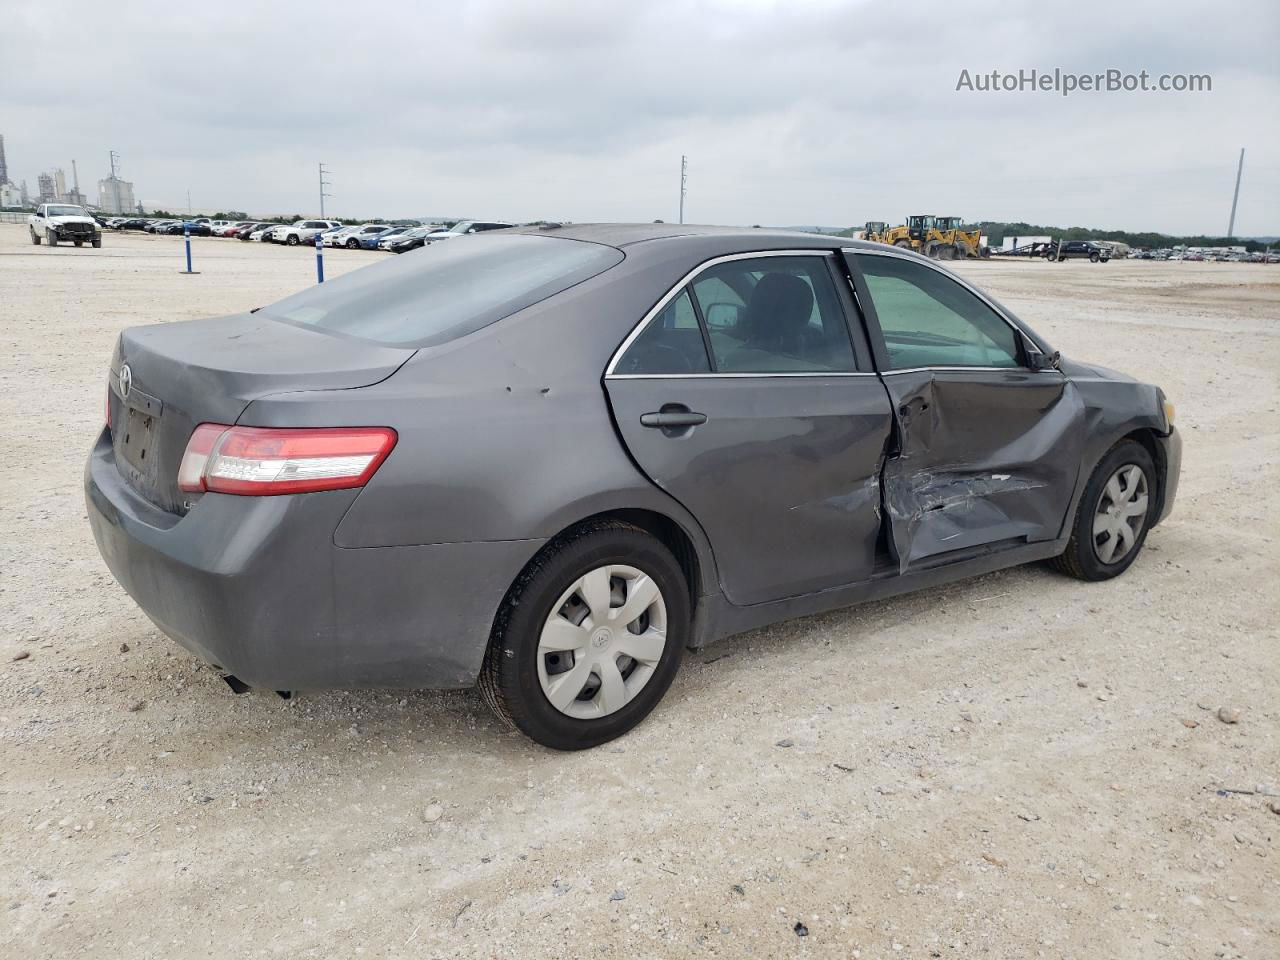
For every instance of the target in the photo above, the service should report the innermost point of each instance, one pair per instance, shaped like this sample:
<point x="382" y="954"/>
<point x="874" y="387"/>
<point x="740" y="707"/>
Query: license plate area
<point x="137" y="439"/>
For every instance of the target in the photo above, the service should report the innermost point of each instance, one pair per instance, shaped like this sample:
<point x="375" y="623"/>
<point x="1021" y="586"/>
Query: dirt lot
<point x="1015" y="766"/>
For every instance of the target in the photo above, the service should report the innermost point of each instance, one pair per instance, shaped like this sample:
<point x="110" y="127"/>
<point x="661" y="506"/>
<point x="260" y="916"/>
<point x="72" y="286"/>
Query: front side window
<point x="774" y="315"/>
<point x="929" y="320"/>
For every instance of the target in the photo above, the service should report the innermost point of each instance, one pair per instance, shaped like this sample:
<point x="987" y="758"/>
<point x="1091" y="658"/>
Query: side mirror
<point x="1043" y="361"/>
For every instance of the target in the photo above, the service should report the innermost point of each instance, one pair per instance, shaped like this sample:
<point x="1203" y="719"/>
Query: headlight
<point x="1168" y="414"/>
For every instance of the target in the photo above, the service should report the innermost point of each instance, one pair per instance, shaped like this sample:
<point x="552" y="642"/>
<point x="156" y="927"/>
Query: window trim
<point x="1026" y="342"/>
<point x="687" y="280"/>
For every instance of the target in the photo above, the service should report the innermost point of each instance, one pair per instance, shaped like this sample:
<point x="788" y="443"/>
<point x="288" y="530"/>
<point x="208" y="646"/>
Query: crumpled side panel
<point x="981" y="460"/>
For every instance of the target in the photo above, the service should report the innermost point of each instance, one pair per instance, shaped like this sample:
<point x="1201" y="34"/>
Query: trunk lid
<point x="182" y="374"/>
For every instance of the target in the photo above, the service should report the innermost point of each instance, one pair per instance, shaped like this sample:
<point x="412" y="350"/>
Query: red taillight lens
<point x="257" y="461"/>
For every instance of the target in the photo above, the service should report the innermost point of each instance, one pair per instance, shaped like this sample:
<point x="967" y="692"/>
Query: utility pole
<point x="1231" y="227"/>
<point x="115" y="182"/>
<point x="684" y="179"/>
<point x="323" y="183"/>
<point x="188" y="204"/>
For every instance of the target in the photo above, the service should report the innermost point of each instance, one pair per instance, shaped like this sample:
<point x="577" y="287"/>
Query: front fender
<point x="1116" y="406"/>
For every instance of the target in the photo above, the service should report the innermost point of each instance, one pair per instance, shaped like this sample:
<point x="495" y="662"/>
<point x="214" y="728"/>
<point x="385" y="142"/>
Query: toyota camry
<point x="547" y="461"/>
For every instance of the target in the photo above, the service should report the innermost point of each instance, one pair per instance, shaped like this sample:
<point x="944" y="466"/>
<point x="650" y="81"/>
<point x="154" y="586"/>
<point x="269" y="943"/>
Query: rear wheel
<point x="1114" y="515"/>
<point x="589" y="638"/>
<point x="34" y="236"/>
<point x="904" y="243"/>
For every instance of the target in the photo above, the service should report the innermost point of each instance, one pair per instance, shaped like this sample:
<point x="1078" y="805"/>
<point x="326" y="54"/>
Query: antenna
<point x="684" y="179"/>
<point x="323" y="183"/>
<point x="1231" y="226"/>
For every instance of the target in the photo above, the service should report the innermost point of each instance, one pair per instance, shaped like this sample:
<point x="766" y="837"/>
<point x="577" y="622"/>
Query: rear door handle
<point x="672" y="418"/>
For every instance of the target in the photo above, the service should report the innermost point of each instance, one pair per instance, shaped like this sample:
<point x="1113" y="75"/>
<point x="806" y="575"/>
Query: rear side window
<point x="774" y="315"/>
<point x="446" y="290"/>
<point x="670" y="343"/>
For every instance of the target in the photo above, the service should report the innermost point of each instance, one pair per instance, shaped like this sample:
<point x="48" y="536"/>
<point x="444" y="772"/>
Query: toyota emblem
<point x="126" y="380"/>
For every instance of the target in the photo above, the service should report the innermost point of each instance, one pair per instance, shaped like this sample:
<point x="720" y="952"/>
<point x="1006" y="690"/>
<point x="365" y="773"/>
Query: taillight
<point x="259" y="461"/>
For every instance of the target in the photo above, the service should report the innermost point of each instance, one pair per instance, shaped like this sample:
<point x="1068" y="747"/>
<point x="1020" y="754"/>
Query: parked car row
<point x="363" y="236"/>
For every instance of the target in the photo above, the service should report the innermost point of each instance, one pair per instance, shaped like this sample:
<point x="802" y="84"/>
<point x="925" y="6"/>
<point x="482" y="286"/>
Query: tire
<point x="51" y="238"/>
<point x="79" y="243"/>
<point x="34" y="239"/>
<point x="292" y="240"/>
<point x="352" y="244"/>
<point x="97" y="243"/>
<point x="510" y="679"/>
<point x="1083" y="558"/>
<point x="905" y="244"/>
<point x="1051" y="257"/>
<point x="1094" y="258"/>
<point x="986" y="253"/>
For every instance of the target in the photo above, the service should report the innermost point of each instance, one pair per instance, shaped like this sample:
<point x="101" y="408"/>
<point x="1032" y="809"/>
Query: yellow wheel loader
<point x="947" y="241"/>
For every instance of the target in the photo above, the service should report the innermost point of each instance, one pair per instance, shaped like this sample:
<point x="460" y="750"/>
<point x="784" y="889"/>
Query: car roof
<point x="746" y="238"/>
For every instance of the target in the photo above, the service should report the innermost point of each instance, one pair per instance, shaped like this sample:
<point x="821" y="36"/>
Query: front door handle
<point x="672" y="418"/>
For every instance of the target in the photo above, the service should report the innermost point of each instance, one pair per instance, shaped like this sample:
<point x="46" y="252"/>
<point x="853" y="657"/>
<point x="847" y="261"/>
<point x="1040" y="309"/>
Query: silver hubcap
<point x="602" y="642"/>
<point x="1122" y="512"/>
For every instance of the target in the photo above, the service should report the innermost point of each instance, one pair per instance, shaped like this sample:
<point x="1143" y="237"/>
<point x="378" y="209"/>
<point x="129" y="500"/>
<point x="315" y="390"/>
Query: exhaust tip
<point x="237" y="685"/>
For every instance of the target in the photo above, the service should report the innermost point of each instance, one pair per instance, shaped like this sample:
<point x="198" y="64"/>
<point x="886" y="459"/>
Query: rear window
<point x="445" y="290"/>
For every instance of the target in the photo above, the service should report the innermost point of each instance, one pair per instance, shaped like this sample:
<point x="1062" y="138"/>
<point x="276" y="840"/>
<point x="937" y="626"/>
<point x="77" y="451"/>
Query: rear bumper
<point x="1171" y="453"/>
<point x="256" y="586"/>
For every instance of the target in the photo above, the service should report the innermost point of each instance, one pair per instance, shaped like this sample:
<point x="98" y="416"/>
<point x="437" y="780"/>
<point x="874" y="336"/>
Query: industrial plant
<point x="114" y="196"/>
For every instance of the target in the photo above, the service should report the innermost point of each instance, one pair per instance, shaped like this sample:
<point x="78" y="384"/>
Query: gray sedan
<point x="547" y="461"/>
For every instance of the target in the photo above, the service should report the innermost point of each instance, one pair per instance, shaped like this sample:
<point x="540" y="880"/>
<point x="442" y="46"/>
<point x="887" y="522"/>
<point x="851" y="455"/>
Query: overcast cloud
<point x="791" y="113"/>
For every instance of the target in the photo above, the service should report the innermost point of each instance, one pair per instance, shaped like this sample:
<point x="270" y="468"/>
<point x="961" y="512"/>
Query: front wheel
<point x="51" y="238"/>
<point x="352" y="244"/>
<point x="1115" y="513"/>
<point x="97" y="242"/>
<point x="589" y="637"/>
<point x="292" y="240"/>
<point x="1094" y="258"/>
<point x="35" y="239"/>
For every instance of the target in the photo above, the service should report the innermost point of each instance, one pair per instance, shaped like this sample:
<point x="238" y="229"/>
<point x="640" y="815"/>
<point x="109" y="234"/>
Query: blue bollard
<point x="319" y="258"/>
<point x="186" y="239"/>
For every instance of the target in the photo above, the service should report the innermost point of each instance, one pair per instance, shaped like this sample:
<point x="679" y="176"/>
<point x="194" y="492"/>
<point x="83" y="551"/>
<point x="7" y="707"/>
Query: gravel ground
<point x="1019" y="765"/>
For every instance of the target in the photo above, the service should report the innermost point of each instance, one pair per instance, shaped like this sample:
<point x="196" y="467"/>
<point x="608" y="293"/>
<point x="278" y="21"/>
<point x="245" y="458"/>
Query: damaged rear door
<point x="987" y="449"/>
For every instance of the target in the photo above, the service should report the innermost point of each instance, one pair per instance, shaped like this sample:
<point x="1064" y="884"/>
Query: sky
<point x="797" y="112"/>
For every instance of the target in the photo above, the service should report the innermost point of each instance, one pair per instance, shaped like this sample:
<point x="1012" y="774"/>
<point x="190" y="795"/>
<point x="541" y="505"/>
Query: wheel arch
<point x="689" y="547"/>
<point x="1146" y="438"/>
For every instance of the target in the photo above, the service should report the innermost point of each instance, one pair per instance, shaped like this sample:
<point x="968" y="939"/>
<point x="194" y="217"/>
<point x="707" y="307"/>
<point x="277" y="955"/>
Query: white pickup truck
<point x="63" y="221"/>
